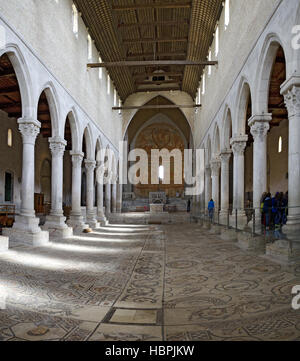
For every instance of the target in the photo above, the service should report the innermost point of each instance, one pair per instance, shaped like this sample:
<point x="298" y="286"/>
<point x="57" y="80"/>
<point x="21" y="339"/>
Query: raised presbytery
<point x="150" y="170"/>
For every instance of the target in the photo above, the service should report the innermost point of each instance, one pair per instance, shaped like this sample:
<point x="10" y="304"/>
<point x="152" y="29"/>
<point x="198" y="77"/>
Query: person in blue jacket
<point x="211" y="209"/>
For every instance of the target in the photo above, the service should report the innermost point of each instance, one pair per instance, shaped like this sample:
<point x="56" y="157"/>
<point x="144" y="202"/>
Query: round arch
<point x="242" y="105"/>
<point x="226" y="130"/>
<point x="74" y="125"/>
<point x="23" y="77"/>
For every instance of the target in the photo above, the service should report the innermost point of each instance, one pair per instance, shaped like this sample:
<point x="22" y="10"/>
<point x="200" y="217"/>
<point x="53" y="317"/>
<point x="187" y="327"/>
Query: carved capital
<point x="238" y="145"/>
<point x="215" y="167"/>
<point x="77" y="159"/>
<point x="225" y="156"/>
<point x="259" y="130"/>
<point x="292" y="100"/>
<point x="57" y="146"/>
<point x="29" y="131"/>
<point x="90" y="165"/>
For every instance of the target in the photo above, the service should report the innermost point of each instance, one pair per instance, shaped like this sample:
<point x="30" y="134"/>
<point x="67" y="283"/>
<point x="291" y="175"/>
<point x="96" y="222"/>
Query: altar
<point x="156" y="208"/>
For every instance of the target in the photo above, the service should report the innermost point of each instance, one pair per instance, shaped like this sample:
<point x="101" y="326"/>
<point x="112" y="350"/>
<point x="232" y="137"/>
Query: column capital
<point x="77" y="158"/>
<point x="261" y="118"/>
<point x="30" y="129"/>
<point x="225" y="155"/>
<point x="259" y="130"/>
<point x="90" y="165"/>
<point x="292" y="100"/>
<point x="57" y="146"/>
<point x="238" y="144"/>
<point x="215" y="165"/>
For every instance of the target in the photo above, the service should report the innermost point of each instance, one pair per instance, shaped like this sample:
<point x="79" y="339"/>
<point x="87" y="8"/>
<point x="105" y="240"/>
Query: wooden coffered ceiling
<point x="148" y="30"/>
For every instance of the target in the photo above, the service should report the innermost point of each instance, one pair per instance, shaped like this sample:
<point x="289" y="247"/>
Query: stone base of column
<point x="228" y="235"/>
<point x="292" y="229"/>
<point x="223" y="218"/>
<point x="57" y="227"/>
<point x="241" y="220"/>
<point x="215" y="229"/>
<point x="256" y="244"/>
<point x="4" y="244"/>
<point x="26" y="230"/>
<point x="102" y="220"/>
<point x="284" y="251"/>
<point x="92" y="221"/>
<point x="77" y="223"/>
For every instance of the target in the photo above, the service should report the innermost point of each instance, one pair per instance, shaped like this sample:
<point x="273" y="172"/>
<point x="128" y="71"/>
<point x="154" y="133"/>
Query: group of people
<point x="274" y="212"/>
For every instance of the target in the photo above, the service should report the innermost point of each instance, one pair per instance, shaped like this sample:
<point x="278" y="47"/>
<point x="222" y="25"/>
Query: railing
<point x="270" y="224"/>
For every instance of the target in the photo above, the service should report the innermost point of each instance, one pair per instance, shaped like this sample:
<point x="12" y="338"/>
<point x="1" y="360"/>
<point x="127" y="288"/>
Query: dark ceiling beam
<point x="148" y="40"/>
<point x="151" y="55"/>
<point x="160" y="5"/>
<point x="7" y="74"/>
<point x="158" y="82"/>
<point x="9" y="90"/>
<point x="146" y="90"/>
<point x="168" y="106"/>
<point x="151" y="63"/>
<point x="154" y="23"/>
<point x="146" y="75"/>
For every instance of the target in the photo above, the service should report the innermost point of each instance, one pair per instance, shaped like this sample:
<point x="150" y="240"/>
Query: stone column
<point x="55" y="223"/>
<point x="207" y="186"/>
<point x="215" y="176"/>
<point x="119" y="197"/>
<point x="238" y="146"/>
<point x="225" y="181"/>
<point x="259" y="129"/>
<point x="114" y="194"/>
<point x="291" y="92"/>
<point x="90" y="166"/>
<point x="76" y="218"/>
<point x="108" y="194"/>
<point x="26" y="227"/>
<point x="100" y="205"/>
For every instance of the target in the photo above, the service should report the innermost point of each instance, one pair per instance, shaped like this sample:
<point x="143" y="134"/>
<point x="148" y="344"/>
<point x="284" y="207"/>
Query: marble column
<point x="119" y="197"/>
<point x="259" y="129"/>
<point x="108" y="194"/>
<point x="291" y="92"/>
<point x="215" y="176"/>
<point x="55" y="223"/>
<point x="26" y="227"/>
<point x="225" y="182"/>
<point x="207" y="186"/>
<point x="114" y="194"/>
<point x="100" y="195"/>
<point x="76" y="218"/>
<point x="238" y="145"/>
<point x="90" y="166"/>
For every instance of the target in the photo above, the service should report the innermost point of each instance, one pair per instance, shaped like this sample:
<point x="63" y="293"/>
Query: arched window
<point x="209" y="67"/>
<point x="217" y="42"/>
<point x="9" y="138"/>
<point x="75" y="20"/>
<point x="203" y="84"/>
<point x="100" y="69"/>
<point x="280" y="145"/>
<point x="90" y="47"/>
<point x="227" y="13"/>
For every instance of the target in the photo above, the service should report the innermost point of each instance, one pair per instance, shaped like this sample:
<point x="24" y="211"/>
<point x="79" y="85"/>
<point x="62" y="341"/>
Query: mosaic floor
<point x="152" y="283"/>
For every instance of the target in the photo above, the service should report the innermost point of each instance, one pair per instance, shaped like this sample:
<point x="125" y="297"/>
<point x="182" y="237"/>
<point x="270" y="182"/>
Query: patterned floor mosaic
<point x="152" y="283"/>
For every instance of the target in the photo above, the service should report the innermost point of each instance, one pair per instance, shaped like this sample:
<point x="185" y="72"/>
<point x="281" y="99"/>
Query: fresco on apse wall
<point x="160" y="136"/>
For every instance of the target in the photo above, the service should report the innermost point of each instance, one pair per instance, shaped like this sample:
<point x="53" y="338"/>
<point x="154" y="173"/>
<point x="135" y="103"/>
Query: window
<point x="75" y="19"/>
<point x="217" y="41"/>
<point x="90" y="48"/>
<point x="120" y="104"/>
<point x="198" y="100"/>
<point x="209" y="67"/>
<point x="227" y="13"/>
<point x="115" y="98"/>
<point x="9" y="138"/>
<point x="8" y="187"/>
<point x="161" y="172"/>
<point x="100" y="69"/>
<point x="280" y="145"/>
<point x="108" y="84"/>
<point x="203" y="84"/>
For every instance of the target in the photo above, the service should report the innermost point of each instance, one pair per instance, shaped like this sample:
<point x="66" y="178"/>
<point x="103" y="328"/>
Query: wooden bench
<point x="7" y="215"/>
